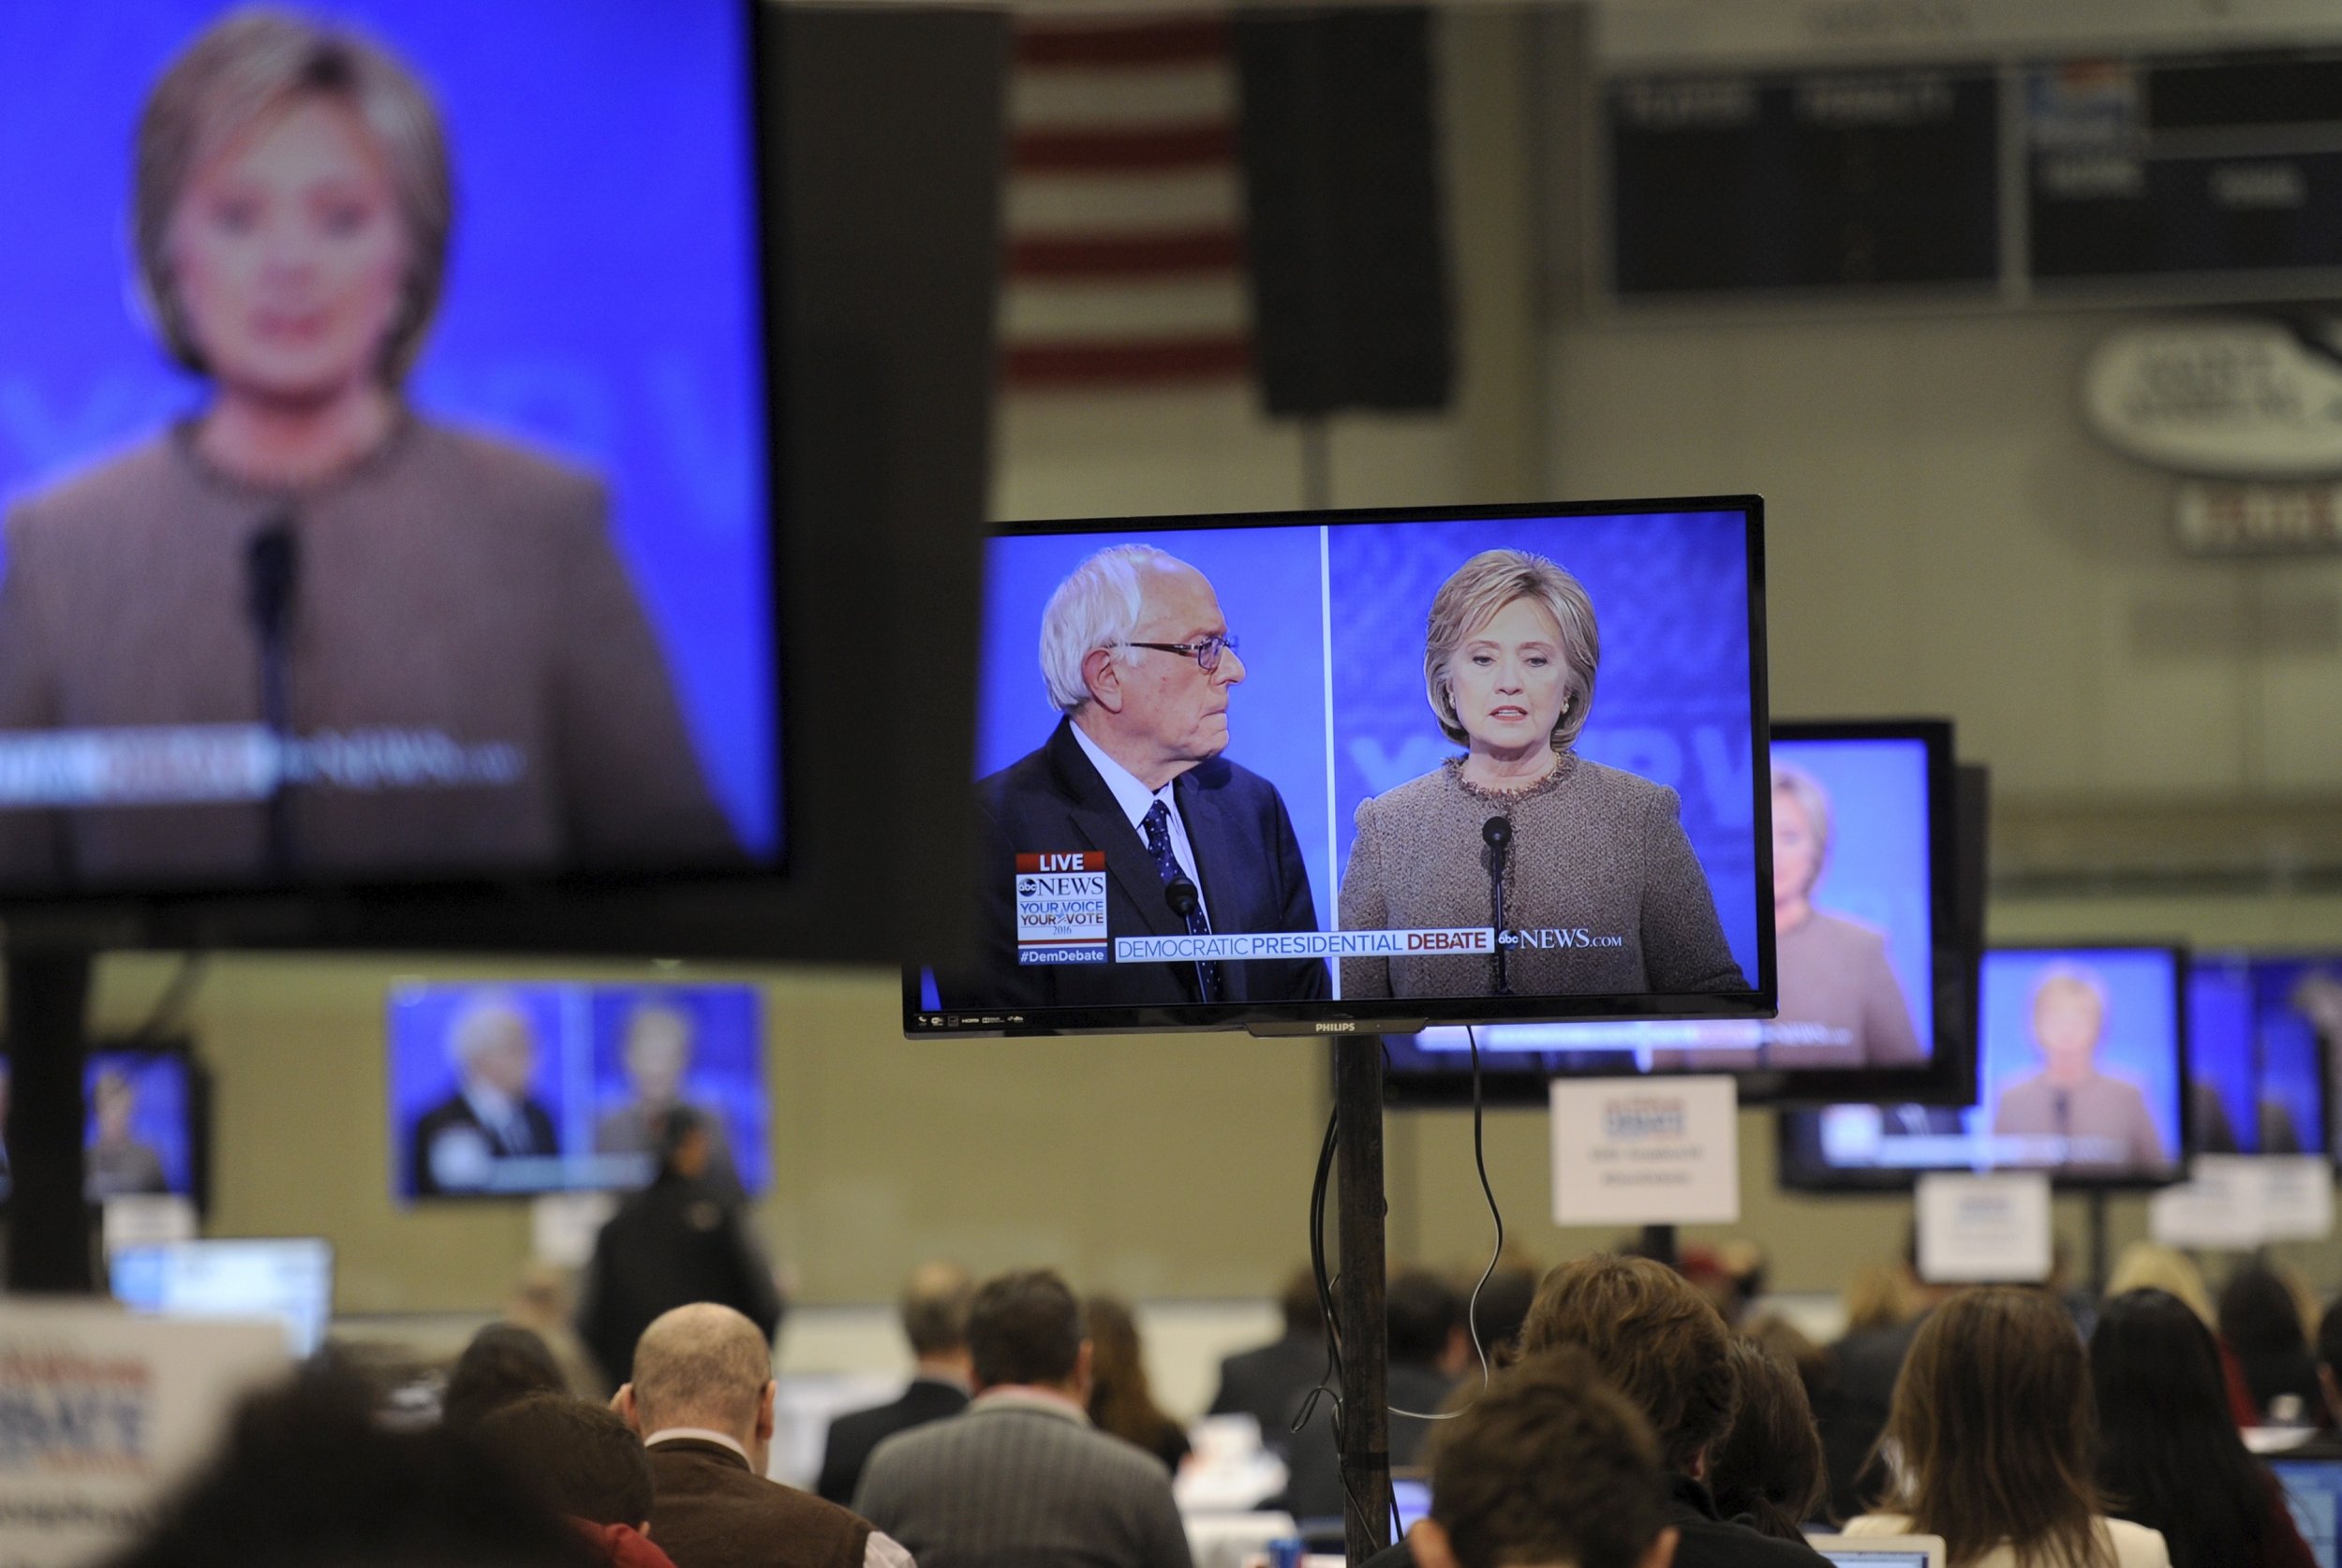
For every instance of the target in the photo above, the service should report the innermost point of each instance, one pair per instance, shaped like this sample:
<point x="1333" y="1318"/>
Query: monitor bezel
<point x="1794" y="1176"/>
<point x="1950" y="1074"/>
<point x="1336" y="1017"/>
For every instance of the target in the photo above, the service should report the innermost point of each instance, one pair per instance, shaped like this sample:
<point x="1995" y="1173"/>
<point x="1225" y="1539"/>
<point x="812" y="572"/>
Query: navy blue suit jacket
<point x="1246" y="858"/>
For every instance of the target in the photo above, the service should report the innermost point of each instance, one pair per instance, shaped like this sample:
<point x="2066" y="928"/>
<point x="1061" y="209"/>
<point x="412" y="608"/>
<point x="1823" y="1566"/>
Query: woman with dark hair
<point x="2168" y="1457"/>
<point x="2262" y="1324"/>
<point x="1768" y="1473"/>
<point x="1121" y="1402"/>
<point x="504" y="1362"/>
<point x="1992" y="1442"/>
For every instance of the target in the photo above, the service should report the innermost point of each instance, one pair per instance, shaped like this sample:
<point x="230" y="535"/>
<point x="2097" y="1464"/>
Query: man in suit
<point x="1270" y="1382"/>
<point x="1020" y="1479"/>
<point x="1139" y="659"/>
<point x="493" y="1115"/>
<point x="935" y="1320"/>
<point x="679" y="1240"/>
<point x="701" y="1400"/>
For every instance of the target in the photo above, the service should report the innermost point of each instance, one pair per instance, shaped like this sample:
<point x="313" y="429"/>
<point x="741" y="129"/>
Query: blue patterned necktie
<point x="1157" y="826"/>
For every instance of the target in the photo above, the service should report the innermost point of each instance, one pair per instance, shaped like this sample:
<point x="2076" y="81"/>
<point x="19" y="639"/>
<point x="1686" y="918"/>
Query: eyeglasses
<point x="1206" y="652"/>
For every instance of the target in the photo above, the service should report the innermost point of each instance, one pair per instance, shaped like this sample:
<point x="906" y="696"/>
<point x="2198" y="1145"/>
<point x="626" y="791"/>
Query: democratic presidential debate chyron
<point x="1341" y="770"/>
<point x="385" y="501"/>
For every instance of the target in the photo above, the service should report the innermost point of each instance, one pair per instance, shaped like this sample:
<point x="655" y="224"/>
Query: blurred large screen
<point x="2257" y="1059"/>
<point x="2083" y="1070"/>
<point x="383" y="445"/>
<point x="1877" y="976"/>
<point x="1312" y="767"/>
<point x="502" y="1091"/>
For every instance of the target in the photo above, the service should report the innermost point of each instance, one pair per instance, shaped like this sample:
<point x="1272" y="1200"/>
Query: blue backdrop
<point x="1268" y="582"/>
<point x="2141" y="1041"/>
<point x="579" y="1071"/>
<point x="159" y="1113"/>
<point x="1672" y="698"/>
<point x="2220" y="1047"/>
<point x="601" y="299"/>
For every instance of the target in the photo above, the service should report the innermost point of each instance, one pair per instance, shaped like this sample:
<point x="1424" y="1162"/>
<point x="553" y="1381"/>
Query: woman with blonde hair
<point x="1601" y="882"/>
<point x="1992" y="1442"/>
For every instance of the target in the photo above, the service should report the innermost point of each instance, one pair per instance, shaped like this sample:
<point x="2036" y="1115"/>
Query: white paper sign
<point x="562" y="1226"/>
<point x="104" y="1412"/>
<point x="1992" y="1227"/>
<point x="2219" y="1205"/>
<point x="148" y="1220"/>
<point x="2296" y="1197"/>
<point x="1646" y="1151"/>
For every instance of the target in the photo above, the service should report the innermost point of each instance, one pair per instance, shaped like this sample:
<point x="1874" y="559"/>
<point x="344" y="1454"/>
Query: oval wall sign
<point x="2237" y="398"/>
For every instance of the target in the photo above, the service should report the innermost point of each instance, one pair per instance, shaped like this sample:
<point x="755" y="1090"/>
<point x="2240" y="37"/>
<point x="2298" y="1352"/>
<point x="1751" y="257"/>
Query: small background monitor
<point x="2312" y="1490"/>
<point x="1877" y="983"/>
<point x="287" y="1278"/>
<point x="507" y="1091"/>
<point x="2114" y="1114"/>
<point x="147" y="1110"/>
<point x="2257" y="1061"/>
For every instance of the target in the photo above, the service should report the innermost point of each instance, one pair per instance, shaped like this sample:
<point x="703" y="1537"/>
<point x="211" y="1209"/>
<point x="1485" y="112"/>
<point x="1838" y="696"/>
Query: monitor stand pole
<point x="1662" y="1244"/>
<point x="2098" y="1242"/>
<point x="49" y="1237"/>
<point x="1359" y="1303"/>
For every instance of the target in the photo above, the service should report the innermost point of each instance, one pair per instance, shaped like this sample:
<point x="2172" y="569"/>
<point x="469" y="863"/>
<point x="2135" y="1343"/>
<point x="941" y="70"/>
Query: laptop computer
<point x="1879" y="1551"/>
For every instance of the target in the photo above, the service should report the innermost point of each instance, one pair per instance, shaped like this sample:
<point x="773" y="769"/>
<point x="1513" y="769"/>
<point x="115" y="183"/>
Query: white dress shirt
<point x="882" y="1551"/>
<point x="1137" y="800"/>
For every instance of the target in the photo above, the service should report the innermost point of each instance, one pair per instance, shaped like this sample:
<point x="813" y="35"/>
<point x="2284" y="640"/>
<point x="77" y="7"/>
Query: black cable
<point x="173" y="1001"/>
<point x="1329" y="1383"/>
<point x="1479" y="1163"/>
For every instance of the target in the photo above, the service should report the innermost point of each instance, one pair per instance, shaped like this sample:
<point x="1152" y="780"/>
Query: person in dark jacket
<point x="2261" y="1322"/>
<point x="679" y="1240"/>
<point x="935" y="1320"/>
<point x="1270" y="1382"/>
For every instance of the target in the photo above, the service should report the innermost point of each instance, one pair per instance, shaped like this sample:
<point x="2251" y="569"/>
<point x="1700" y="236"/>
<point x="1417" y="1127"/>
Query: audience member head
<point x="1025" y="1330"/>
<point x="1549" y="1466"/>
<point x="504" y="1362"/>
<point x="1654" y="1337"/>
<point x="685" y="1144"/>
<point x="1425" y="1320"/>
<point x="1783" y="1338"/>
<point x="580" y="1456"/>
<point x="1881" y="1296"/>
<point x="308" y="1479"/>
<point x="1769" y="1469"/>
<point x="2168" y="1453"/>
<point x="1993" y="1432"/>
<point x="2258" y="1313"/>
<point x="1304" y="1314"/>
<point x="1502" y="1306"/>
<point x="935" y="1316"/>
<point x="1122" y="1400"/>
<point x="2150" y="1265"/>
<point x="707" y="1366"/>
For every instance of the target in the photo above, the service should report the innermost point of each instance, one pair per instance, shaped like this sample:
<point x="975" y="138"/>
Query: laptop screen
<point x="1413" y="1498"/>
<point x="1873" y="1557"/>
<point x="2313" y="1489"/>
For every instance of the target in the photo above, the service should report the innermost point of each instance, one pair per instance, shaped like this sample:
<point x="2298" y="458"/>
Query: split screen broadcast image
<point x="528" y="628"/>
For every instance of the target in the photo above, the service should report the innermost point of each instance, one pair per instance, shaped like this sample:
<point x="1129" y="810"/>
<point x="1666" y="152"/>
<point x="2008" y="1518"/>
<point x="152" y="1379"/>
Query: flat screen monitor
<point x="2257" y="1061"/>
<point x="147" y="1119"/>
<point x="1322" y="772"/>
<point x="1878" y="967"/>
<point x="2083" y="1068"/>
<point x="384" y="448"/>
<point x="2312" y="1490"/>
<point x="507" y="1091"/>
<point x="289" y="1278"/>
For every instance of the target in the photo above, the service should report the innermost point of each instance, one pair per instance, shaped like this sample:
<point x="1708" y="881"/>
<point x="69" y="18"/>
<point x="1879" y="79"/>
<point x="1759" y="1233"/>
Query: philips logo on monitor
<point x="1655" y="1115"/>
<point x="1061" y="901"/>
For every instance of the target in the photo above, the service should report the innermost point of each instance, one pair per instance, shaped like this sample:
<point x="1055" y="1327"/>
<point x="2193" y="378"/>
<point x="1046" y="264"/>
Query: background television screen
<point x="1328" y="710"/>
<point x="2116" y="1114"/>
<point x="2256" y="1059"/>
<point x="145" y="1122"/>
<point x="503" y="1090"/>
<point x="587" y="415"/>
<point x="1877" y="985"/>
<point x="289" y="1278"/>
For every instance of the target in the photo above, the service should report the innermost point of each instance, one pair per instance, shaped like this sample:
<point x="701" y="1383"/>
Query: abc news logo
<point x="1557" y="937"/>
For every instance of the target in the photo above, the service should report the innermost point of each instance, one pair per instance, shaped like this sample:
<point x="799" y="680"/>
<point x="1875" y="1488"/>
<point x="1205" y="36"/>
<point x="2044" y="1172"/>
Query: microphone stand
<point x="1184" y="900"/>
<point x="1497" y="834"/>
<point x="272" y="567"/>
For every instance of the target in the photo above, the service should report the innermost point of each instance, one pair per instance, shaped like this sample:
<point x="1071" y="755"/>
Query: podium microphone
<point x="1184" y="900"/>
<point x="1497" y="834"/>
<point x="272" y="572"/>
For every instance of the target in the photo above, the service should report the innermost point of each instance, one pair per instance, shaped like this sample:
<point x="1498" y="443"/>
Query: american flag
<point x="1126" y="261"/>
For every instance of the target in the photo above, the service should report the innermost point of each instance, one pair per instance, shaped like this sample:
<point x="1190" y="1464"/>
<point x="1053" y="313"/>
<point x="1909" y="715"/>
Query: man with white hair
<point x="493" y="1115"/>
<point x="701" y="1400"/>
<point x="1140" y="663"/>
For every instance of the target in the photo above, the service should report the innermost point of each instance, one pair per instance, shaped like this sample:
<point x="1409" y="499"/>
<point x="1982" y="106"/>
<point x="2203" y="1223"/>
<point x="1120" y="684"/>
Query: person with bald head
<point x="494" y="1116"/>
<point x="1142" y="667"/>
<point x="935" y="1320"/>
<point x="701" y="1399"/>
